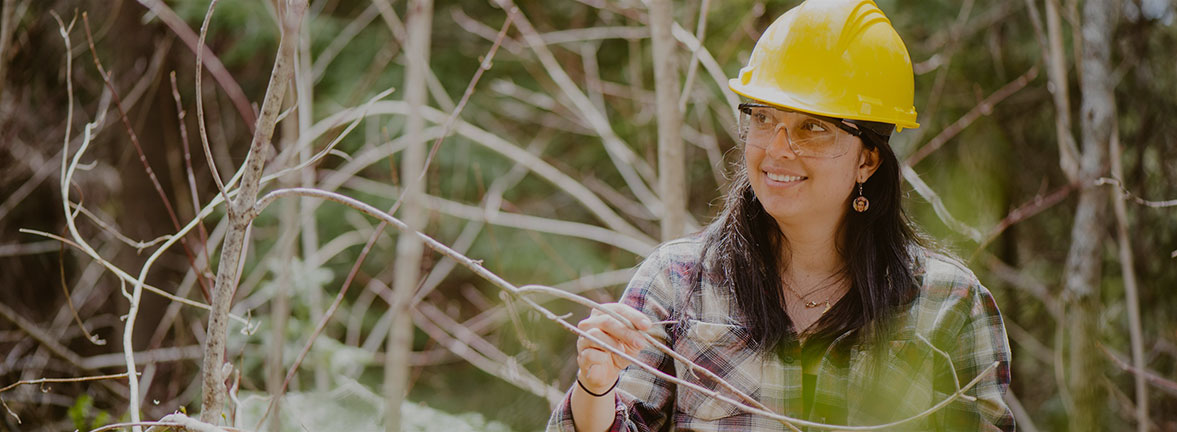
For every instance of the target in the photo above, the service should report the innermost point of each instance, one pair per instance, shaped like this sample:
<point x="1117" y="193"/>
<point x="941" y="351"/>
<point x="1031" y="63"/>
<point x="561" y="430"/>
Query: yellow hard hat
<point x="837" y="58"/>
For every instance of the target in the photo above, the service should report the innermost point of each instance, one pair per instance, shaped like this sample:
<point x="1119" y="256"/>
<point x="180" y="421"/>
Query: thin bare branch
<point x="941" y="210"/>
<point x="206" y="57"/>
<point x="1128" y="275"/>
<point x="1127" y="194"/>
<point x="69" y="301"/>
<point x="61" y="380"/>
<point x="1154" y="378"/>
<point x="208" y="153"/>
<point x="693" y="64"/>
<point x="192" y="193"/>
<point x="983" y="108"/>
<point x="1036" y="205"/>
<point x="1059" y="87"/>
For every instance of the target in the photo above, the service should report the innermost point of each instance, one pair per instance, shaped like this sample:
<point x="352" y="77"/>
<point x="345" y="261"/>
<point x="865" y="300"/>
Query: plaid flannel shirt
<point x="953" y="312"/>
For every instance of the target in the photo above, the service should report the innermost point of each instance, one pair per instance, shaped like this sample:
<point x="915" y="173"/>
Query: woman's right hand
<point x="599" y="368"/>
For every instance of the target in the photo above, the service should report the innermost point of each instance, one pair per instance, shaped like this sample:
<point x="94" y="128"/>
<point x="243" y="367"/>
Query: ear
<point x="868" y="163"/>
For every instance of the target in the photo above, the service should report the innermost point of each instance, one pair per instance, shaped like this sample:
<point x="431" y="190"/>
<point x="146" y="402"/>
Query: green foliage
<point x="85" y="416"/>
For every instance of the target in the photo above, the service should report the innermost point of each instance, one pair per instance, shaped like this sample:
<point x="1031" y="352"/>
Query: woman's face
<point x="817" y="183"/>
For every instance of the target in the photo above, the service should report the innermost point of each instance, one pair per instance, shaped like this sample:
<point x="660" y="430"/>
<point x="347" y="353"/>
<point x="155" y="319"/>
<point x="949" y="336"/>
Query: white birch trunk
<point x="408" y="247"/>
<point x="1082" y="280"/>
<point x="671" y="175"/>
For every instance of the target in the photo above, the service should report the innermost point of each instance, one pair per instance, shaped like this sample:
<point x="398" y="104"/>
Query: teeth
<point x="784" y="178"/>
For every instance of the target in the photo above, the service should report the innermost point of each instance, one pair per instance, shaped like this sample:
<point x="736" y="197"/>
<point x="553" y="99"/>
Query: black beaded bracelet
<point x="586" y="390"/>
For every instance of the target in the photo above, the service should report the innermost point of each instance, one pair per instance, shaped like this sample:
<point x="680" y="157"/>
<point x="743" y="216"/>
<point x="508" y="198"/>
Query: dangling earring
<point x="861" y="203"/>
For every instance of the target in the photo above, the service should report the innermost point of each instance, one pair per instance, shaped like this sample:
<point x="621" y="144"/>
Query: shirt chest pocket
<point x="723" y="350"/>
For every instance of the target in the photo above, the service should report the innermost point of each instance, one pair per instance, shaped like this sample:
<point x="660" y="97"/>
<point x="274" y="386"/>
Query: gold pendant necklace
<point x="811" y="303"/>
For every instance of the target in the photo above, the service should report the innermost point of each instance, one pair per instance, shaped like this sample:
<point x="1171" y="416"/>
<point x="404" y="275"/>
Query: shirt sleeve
<point x="982" y="342"/>
<point x="643" y="400"/>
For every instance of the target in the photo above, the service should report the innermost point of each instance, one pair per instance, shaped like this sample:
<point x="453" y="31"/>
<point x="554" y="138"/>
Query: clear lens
<point x="811" y="137"/>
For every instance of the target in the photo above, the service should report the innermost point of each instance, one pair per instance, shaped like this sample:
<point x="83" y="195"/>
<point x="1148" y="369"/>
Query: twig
<point x="43" y="381"/>
<point x="938" y="205"/>
<point x="983" y="108"/>
<point x="61" y="380"/>
<point x="1127" y="194"/>
<point x="1031" y="208"/>
<point x="1154" y="378"/>
<point x="208" y="154"/>
<point x="1024" y="421"/>
<point x="693" y="64"/>
<point x="49" y="342"/>
<point x="1059" y="88"/>
<point x="341" y="40"/>
<point x="191" y="424"/>
<point x="19" y="249"/>
<point x="931" y="107"/>
<point x="66" y="176"/>
<point x="1025" y="283"/>
<point x="69" y="301"/>
<point x="8" y="18"/>
<point x="192" y="192"/>
<point x="1128" y="270"/>
<point x="310" y="161"/>
<point x="159" y="355"/>
<point x="208" y="59"/>
<point x="139" y="245"/>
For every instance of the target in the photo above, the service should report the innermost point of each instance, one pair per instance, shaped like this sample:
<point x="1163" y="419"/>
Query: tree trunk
<point x="408" y="246"/>
<point x="240" y="216"/>
<point x="1082" y="280"/>
<point x="671" y="164"/>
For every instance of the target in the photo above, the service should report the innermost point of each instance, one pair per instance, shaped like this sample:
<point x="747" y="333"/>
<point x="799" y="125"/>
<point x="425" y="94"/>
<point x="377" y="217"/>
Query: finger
<point x="583" y="343"/>
<point x="622" y="332"/>
<point x="639" y="319"/>
<point x="617" y="360"/>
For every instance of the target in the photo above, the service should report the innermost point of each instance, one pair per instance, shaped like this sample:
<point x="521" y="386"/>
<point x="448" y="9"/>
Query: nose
<point x="780" y="146"/>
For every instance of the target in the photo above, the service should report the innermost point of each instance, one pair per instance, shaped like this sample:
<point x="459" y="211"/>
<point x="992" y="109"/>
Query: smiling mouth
<point x="784" y="178"/>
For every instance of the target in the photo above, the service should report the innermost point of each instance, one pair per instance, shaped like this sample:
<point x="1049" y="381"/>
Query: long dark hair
<point x="876" y="246"/>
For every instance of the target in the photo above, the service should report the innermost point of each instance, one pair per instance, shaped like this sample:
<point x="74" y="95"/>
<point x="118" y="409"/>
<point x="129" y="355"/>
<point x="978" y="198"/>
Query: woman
<point x="810" y="292"/>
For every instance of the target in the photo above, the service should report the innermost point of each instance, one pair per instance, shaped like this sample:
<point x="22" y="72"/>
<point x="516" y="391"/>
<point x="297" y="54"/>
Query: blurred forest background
<point x="1033" y="113"/>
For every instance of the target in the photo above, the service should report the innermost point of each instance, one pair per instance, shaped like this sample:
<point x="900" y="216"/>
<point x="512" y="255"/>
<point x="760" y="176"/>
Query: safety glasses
<point x="813" y="136"/>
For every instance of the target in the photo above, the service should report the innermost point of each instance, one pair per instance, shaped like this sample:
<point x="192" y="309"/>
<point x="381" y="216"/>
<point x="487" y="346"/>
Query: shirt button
<point x="788" y="359"/>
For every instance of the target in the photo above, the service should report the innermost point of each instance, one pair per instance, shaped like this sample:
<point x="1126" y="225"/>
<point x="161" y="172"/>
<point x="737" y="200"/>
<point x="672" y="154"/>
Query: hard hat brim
<point x="775" y="97"/>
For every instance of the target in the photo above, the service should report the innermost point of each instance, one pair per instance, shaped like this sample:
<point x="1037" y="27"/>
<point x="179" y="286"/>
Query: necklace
<point x="810" y="304"/>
